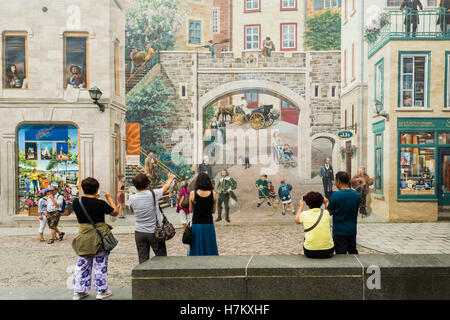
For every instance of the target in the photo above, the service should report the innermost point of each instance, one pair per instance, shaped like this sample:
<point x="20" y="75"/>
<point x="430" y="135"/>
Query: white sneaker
<point x="103" y="295"/>
<point x="80" y="295"/>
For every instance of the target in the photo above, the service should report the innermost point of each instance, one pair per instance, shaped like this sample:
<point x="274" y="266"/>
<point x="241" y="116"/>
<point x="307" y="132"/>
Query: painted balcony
<point x="432" y="25"/>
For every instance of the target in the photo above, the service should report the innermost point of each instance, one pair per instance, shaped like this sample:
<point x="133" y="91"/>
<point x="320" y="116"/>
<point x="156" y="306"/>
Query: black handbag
<point x="109" y="242"/>
<point x="166" y="231"/>
<point x="187" y="235"/>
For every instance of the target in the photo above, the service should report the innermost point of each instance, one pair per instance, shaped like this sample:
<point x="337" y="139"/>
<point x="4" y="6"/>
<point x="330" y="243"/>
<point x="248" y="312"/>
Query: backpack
<point x="63" y="206"/>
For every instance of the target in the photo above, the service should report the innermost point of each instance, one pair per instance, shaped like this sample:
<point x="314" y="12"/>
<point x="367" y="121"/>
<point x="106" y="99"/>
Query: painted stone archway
<point x="335" y="159"/>
<point x="274" y="89"/>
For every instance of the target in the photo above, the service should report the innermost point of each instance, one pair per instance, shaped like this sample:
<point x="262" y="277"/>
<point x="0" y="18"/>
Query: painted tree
<point x="151" y="107"/>
<point x="323" y="31"/>
<point x="155" y="22"/>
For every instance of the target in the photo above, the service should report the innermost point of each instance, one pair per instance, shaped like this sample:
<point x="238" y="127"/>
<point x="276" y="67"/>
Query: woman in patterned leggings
<point x="90" y="254"/>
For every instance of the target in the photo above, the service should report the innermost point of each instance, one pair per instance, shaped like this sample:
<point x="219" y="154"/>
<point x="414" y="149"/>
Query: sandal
<point x="61" y="236"/>
<point x="42" y="240"/>
<point x="51" y="241"/>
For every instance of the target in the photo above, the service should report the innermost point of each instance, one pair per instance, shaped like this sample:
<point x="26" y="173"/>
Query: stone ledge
<point x="292" y="277"/>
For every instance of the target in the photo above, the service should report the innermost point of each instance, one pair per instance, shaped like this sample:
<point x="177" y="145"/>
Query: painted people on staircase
<point x="225" y="189"/>
<point x="151" y="169"/>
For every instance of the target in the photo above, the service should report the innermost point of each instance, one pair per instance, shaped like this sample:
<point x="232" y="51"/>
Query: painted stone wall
<point x="298" y="71"/>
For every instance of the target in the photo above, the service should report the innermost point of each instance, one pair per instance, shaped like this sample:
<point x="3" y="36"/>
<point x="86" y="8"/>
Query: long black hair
<point x="203" y="182"/>
<point x="9" y="73"/>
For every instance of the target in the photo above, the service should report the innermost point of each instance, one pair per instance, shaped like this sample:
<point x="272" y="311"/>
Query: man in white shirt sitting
<point x="54" y="206"/>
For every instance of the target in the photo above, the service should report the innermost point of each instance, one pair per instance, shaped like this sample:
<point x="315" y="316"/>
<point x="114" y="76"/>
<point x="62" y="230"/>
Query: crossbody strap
<point x="317" y="222"/>
<point x="89" y="218"/>
<point x="156" y="212"/>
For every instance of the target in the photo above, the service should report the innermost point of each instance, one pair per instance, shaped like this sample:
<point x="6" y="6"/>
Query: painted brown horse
<point x="224" y="111"/>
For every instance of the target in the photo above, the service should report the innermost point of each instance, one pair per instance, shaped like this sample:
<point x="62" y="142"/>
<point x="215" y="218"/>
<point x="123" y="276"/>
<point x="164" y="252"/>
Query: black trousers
<point x="327" y="187"/>
<point x="318" y="254"/>
<point x="146" y="240"/>
<point x="344" y="245"/>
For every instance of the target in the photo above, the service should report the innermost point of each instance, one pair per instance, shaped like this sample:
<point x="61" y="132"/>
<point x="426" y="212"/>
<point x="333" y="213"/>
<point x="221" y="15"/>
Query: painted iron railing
<point x="431" y="25"/>
<point x="148" y="65"/>
<point x="163" y="169"/>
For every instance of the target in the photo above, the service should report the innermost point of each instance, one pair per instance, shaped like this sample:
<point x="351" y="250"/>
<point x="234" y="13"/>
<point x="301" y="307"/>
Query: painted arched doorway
<point x="273" y="89"/>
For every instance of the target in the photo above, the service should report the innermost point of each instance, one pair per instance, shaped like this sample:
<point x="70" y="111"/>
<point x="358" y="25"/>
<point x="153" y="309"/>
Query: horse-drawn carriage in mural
<point x="260" y="118"/>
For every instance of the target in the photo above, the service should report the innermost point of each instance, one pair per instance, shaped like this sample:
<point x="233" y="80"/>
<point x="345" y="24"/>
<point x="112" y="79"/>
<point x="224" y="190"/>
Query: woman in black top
<point x="202" y="203"/>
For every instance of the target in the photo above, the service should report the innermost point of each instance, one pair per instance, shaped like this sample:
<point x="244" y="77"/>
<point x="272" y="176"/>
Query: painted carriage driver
<point x="151" y="169"/>
<point x="225" y="190"/>
<point x="76" y="79"/>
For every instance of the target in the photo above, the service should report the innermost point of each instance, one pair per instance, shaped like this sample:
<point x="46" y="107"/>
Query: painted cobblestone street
<point x="26" y="255"/>
<point x="250" y="233"/>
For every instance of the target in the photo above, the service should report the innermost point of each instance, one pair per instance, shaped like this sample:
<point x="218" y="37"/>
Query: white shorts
<point x="185" y="218"/>
<point x="42" y="223"/>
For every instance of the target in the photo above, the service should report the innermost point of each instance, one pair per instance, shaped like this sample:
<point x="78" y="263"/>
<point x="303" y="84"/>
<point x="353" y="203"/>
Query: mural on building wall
<point x="47" y="156"/>
<point x="160" y="105"/>
<point x="75" y="62"/>
<point x="15" y="64"/>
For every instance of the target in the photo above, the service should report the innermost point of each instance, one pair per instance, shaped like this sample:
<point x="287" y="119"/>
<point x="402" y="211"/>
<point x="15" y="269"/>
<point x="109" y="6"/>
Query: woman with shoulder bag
<point x="317" y="226"/>
<point x="88" y="245"/>
<point x="183" y="205"/>
<point x="145" y="207"/>
<point x="202" y="203"/>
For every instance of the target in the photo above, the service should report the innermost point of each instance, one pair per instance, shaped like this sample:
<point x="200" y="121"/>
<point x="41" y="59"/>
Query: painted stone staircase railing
<point x="133" y="79"/>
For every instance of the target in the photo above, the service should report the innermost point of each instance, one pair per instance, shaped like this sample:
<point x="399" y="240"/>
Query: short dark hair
<point x="90" y="185"/>
<point x="313" y="199"/>
<point x="203" y="182"/>
<point x="343" y="177"/>
<point x="140" y="181"/>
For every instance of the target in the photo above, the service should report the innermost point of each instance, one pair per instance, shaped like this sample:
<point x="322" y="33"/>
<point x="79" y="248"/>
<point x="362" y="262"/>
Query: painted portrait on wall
<point x="15" y="64"/>
<point x="30" y="151"/>
<point x="75" y="62"/>
<point x="46" y="151"/>
<point x="62" y="151"/>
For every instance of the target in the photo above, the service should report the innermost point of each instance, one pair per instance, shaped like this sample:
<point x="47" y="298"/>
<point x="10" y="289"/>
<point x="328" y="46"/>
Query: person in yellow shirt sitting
<point x="317" y="224"/>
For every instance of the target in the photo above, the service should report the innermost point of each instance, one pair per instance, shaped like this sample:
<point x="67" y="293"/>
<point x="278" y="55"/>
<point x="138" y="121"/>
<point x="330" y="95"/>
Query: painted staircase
<point x="132" y="80"/>
<point x="132" y="170"/>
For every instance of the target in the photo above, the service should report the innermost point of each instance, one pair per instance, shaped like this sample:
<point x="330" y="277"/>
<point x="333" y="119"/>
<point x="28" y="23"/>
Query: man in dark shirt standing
<point x="343" y="206"/>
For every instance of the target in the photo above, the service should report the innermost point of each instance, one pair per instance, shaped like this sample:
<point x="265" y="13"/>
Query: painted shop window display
<point x="47" y="156"/>
<point x="15" y="61"/>
<point x="75" y="61"/>
<point x="417" y="171"/>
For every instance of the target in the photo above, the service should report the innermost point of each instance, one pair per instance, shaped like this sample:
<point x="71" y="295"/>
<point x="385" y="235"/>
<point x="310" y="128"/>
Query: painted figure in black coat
<point x="412" y="18"/>
<point x="327" y="175"/>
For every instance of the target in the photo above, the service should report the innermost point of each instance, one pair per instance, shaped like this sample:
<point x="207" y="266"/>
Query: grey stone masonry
<point x="348" y="277"/>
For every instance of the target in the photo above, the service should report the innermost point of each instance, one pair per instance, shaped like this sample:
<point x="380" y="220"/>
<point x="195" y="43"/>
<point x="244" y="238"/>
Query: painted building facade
<point x="408" y="120"/>
<point x="50" y="131"/>
<point x="197" y="27"/>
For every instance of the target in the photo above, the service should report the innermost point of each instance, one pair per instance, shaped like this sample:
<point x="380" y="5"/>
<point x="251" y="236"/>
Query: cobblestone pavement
<point x="29" y="262"/>
<point x="406" y="237"/>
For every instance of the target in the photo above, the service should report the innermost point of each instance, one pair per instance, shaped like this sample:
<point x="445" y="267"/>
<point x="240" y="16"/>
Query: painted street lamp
<point x="96" y="94"/>
<point x="379" y="110"/>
